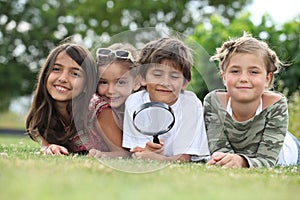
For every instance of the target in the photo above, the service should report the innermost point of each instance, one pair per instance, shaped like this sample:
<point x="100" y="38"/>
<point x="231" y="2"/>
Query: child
<point x="246" y="124"/>
<point x="166" y="71"/>
<point x="117" y="68"/>
<point x="60" y="110"/>
<point x="118" y="73"/>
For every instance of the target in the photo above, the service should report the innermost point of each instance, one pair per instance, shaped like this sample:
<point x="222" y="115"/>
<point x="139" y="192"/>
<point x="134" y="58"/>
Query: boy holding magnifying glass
<point x="166" y="66"/>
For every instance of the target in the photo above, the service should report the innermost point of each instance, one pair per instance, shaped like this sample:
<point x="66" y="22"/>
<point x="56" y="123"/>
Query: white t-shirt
<point x="187" y="136"/>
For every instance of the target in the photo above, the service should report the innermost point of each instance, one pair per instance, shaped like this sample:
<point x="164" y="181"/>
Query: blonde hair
<point x="247" y="44"/>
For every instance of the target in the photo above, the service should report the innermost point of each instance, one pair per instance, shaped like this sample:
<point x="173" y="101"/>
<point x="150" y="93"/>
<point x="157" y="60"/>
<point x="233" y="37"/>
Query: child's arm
<point x="112" y="135"/>
<point x="53" y="149"/>
<point x="113" y="154"/>
<point x="150" y="155"/>
<point x="110" y="129"/>
<point x="214" y="123"/>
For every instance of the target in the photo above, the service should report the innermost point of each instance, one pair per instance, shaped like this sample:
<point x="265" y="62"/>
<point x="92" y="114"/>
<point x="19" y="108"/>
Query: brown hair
<point x="171" y="49"/>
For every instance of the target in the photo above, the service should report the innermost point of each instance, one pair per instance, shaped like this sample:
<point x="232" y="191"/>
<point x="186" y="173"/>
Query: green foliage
<point x="26" y="174"/>
<point x="288" y="44"/>
<point x="115" y="16"/>
<point x="294" y="114"/>
<point x="27" y="34"/>
<point x="30" y="29"/>
<point x="283" y="39"/>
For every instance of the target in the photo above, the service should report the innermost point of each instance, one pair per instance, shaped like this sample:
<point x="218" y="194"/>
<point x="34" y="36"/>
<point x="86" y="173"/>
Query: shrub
<point x="294" y="114"/>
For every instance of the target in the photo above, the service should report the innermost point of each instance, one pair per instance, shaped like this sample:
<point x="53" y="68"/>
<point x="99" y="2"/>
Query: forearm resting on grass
<point x="150" y="155"/>
<point x="121" y="153"/>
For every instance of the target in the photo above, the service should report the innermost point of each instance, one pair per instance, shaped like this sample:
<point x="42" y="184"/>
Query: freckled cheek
<point x="230" y="80"/>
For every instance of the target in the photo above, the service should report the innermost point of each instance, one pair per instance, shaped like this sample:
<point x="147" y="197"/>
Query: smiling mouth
<point x="243" y="87"/>
<point x="112" y="99"/>
<point x="61" y="88"/>
<point x="164" y="91"/>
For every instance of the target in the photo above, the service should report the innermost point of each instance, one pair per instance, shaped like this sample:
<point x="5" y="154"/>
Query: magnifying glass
<point x="153" y="119"/>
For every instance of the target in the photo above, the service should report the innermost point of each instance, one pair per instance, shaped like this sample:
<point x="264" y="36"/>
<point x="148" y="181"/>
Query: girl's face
<point x="246" y="77"/>
<point x="115" y="84"/>
<point x="164" y="82"/>
<point x="66" y="79"/>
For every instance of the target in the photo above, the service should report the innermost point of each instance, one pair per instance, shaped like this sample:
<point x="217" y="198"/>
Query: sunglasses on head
<point x="122" y="54"/>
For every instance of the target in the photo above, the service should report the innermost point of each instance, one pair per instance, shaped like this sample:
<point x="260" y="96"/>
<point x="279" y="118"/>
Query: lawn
<point x="27" y="174"/>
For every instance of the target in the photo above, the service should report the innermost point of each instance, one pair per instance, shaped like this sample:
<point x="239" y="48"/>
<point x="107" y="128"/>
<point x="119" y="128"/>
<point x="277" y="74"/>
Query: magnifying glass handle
<point x="155" y="139"/>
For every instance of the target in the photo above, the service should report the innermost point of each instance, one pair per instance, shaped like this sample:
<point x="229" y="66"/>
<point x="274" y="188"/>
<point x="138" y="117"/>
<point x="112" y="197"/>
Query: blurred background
<point x="30" y="29"/>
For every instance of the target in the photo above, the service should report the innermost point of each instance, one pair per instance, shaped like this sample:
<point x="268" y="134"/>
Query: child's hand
<point x="157" y="148"/>
<point x="150" y="146"/>
<point x="54" y="149"/>
<point x="95" y="153"/>
<point x="227" y="160"/>
<point x="216" y="157"/>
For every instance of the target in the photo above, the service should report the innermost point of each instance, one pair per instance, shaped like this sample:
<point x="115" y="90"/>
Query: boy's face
<point x="115" y="84"/>
<point x="164" y="82"/>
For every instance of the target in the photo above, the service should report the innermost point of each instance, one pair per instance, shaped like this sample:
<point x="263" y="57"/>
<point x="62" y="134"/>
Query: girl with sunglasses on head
<point x="59" y="112"/>
<point x="117" y="68"/>
<point x="247" y="125"/>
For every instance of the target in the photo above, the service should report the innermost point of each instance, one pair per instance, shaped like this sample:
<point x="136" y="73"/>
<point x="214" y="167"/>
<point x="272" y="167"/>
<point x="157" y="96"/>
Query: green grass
<point x="27" y="174"/>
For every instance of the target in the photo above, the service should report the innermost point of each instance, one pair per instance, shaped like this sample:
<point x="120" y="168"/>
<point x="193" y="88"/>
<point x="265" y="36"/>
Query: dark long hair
<point x="43" y="119"/>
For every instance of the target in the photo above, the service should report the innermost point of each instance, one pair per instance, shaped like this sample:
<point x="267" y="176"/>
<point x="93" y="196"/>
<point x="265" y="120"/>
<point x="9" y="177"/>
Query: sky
<point x="280" y="10"/>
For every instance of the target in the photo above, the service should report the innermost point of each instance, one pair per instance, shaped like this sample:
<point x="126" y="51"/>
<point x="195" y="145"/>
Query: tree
<point x="283" y="39"/>
<point x="30" y="29"/>
<point x="115" y="16"/>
